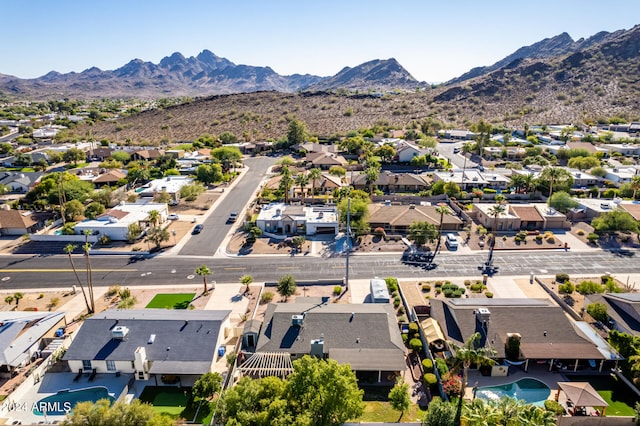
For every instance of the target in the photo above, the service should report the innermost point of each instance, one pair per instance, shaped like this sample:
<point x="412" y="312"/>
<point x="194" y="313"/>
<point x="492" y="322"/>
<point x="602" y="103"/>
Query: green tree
<point x="439" y="413"/>
<point x="483" y="131"/>
<point x="598" y="312"/>
<point x="555" y="178"/>
<point x="153" y="217"/>
<point x="386" y="152"/>
<point x="209" y="173"/>
<point x="451" y="189"/>
<point x="227" y="155"/>
<point x="615" y="221"/>
<point x="257" y="402"/>
<point x="337" y="171"/>
<point x="102" y="413"/>
<point x="296" y="133"/>
<point x="285" y="182"/>
<point x="93" y="210"/>
<point x="562" y="202"/>
<point x="207" y="385"/>
<point x="598" y="172"/>
<point x="73" y="210"/>
<point x="635" y="185"/>
<point x="359" y="212"/>
<point x="203" y="271"/>
<point x="192" y="191"/>
<point x="372" y="172"/>
<point x="246" y="280"/>
<point x="583" y="163"/>
<point x="157" y="236"/>
<point x="73" y="155"/>
<point x="421" y="232"/>
<point x="286" y="286"/>
<point x="399" y="398"/>
<point x="8" y="300"/>
<point x="301" y="180"/>
<point x="325" y="391"/>
<point x="314" y="175"/>
<point x="17" y="296"/>
<point x="121" y="156"/>
<point x="133" y="232"/>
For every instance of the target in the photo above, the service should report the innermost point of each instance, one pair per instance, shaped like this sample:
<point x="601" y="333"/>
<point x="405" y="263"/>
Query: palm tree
<point x="314" y="174"/>
<point x="87" y="248"/>
<point x="496" y="211"/>
<point x="285" y="182"/>
<point x="635" y="185"/>
<point x="442" y="209"/>
<point x="302" y="180"/>
<point x="8" y="299"/>
<point x="467" y="355"/>
<point x="246" y="280"/>
<point x="17" y="296"/>
<point x="69" y="248"/>
<point x="154" y="217"/>
<point x="553" y="174"/>
<point x="203" y="271"/>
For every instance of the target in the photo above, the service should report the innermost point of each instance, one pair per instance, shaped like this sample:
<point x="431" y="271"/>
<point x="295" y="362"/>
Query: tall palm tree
<point x="203" y="271"/>
<point x="467" y="355"/>
<point x="154" y="217"/>
<point x="314" y="175"/>
<point x="495" y="211"/>
<point x="69" y="248"/>
<point x="87" y="248"/>
<point x="373" y="172"/>
<point x="553" y="173"/>
<point x="443" y="210"/>
<point x="285" y="181"/>
<point x="302" y="180"/>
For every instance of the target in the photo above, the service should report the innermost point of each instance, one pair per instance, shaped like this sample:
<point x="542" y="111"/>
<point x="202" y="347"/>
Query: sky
<point x="435" y="41"/>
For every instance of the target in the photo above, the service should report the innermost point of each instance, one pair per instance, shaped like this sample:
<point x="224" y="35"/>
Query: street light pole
<point x="348" y="245"/>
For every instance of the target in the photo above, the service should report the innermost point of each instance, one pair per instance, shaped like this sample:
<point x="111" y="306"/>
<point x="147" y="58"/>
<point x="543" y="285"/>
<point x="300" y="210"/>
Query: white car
<point x="173" y="216"/>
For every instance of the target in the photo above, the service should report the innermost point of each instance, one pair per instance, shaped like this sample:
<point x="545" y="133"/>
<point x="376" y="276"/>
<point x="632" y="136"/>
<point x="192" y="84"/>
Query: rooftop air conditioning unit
<point x="119" y="332"/>
<point x="483" y="314"/>
<point x="297" y="320"/>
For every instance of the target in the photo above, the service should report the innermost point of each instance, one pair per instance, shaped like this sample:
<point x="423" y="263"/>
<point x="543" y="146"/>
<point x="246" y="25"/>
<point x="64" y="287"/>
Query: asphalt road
<point x="216" y="226"/>
<point x="54" y="271"/>
<point x="446" y="150"/>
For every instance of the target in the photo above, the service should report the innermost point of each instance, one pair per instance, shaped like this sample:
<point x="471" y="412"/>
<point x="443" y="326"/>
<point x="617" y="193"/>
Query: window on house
<point x="111" y="365"/>
<point x="86" y="364"/>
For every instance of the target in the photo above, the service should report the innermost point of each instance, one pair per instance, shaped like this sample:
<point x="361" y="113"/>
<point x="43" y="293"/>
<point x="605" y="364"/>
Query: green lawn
<point x="177" y="403"/>
<point x="379" y="411"/>
<point x="171" y="301"/>
<point x="619" y="397"/>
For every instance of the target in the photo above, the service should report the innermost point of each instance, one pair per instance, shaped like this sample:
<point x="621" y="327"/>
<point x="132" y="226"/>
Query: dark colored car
<point x="198" y="229"/>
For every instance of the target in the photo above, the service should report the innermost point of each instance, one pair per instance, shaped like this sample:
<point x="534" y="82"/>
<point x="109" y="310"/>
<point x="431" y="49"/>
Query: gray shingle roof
<point x="350" y="332"/>
<point x="180" y="337"/>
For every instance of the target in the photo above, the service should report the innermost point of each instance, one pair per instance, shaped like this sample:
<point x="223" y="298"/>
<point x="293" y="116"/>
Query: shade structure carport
<point x="582" y="394"/>
<point x="433" y="333"/>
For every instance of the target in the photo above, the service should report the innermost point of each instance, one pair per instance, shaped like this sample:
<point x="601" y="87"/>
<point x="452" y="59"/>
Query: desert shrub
<point x="113" y="290"/>
<point x="337" y="290"/>
<point x="415" y="345"/>
<point x="562" y="277"/>
<point x="467" y="283"/>
<point x="266" y="297"/>
<point x="379" y="232"/>
<point x="538" y="238"/>
<point x="457" y="294"/>
<point x="593" y="238"/>
<point x="598" y="312"/>
<point x="611" y="287"/>
<point x="580" y="232"/>
<point x="401" y="318"/>
<point x="589" y="287"/>
<point x="554" y="407"/>
<point x="427" y="365"/>
<point x="476" y="288"/>
<point x="548" y="234"/>
<point x="566" y="288"/>
<point x="551" y="240"/>
<point x="438" y="284"/>
<point x="396" y="303"/>
<point x="488" y="294"/>
<point x="413" y="328"/>
<point x="405" y="338"/>
<point x="392" y="283"/>
<point x="426" y="288"/>
<point x="400" y="310"/>
<point x="430" y="379"/>
<point x="447" y="293"/>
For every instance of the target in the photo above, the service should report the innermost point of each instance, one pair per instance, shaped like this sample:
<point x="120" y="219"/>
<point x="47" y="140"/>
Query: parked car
<point x="451" y="241"/>
<point x="173" y="216"/>
<point x="232" y="217"/>
<point x="198" y="228"/>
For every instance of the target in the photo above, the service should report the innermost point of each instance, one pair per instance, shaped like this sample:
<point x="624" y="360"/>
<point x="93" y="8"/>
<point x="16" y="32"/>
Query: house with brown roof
<point x="545" y="333"/>
<point x="632" y="209"/>
<point x="325" y="160"/>
<point x="111" y="177"/>
<point x="99" y="154"/>
<point x="398" y="219"/>
<point x="146" y="154"/>
<point x="389" y="182"/>
<point x="20" y="222"/>
<point x="520" y="217"/>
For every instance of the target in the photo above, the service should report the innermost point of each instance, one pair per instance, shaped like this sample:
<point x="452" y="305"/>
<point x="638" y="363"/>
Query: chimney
<point x="317" y="348"/>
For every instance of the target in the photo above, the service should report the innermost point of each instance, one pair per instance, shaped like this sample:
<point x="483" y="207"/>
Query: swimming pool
<point x="530" y="390"/>
<point x="64" y="401"/>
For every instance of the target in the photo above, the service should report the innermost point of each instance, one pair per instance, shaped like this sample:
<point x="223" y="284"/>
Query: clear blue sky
<point x="434" y="40"/>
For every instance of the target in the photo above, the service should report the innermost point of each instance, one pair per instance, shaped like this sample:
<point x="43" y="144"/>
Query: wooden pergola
<point x="266" y="364"/>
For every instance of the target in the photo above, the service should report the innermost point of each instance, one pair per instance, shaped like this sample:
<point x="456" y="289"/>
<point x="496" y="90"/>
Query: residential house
<point x="620" y="175"/>
<point x="150" y="343"/>
<point x="110" y="178"/>
<point x="583" y="179"/>
<point x="626" y="149"/>
<point x="389" y="182"/>
<point x="21" y="222"/>
<point x="365" y="336"/>
<point x="470" y="179"/>
<point x="287" y="219"/>
<point x="23" y="335"/>
<point x="623" y="310"/>
<point x="545" y="332"/>
<point x="21" y="182"/>
<point x="115" y="222"/>
<point x="319" y="147"/>
<point x="324" y="160"/>
<point x="632" y="208"/>
<point x="398" y="219"/>
<point x="587" y="146"/>
<point x="100" y="153"/>
<point x="170" y="184"/>
<point x="146" y="154"/>
<point x="406" y="151"/>
<point x="588" y="208"/>
<point x="520" y="217"/>
<point x="463" y="135"/>
<point x="509" y="152"/>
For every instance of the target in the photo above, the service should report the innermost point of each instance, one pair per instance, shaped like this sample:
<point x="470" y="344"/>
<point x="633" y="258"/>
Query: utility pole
<point x="348" y="245"/>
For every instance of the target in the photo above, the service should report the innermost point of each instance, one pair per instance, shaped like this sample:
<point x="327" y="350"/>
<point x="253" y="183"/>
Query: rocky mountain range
<point x="202" y="75"/>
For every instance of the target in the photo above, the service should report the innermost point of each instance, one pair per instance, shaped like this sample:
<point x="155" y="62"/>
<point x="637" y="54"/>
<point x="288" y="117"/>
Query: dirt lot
<point x="548" y="241"/>
<point x="32" y="301"/>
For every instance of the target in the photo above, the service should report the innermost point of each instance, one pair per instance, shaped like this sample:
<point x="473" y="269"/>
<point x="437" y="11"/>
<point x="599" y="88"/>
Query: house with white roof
<point x="405" y="151"/>
<point x="168" y="184"/>
<point x="285" y="219"/>
<point x="620" y="175"/>
<point x="115" y="222"/>
<point x="623" y="148"/>
<point x="473" y="178"/>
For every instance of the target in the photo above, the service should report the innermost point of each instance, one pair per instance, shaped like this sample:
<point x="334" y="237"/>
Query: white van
<point x="451" y="241"/>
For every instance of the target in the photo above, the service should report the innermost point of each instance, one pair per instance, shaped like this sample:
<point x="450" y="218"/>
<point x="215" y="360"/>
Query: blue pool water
<point x="531" y="391"/>
<point x="64" y="401"/>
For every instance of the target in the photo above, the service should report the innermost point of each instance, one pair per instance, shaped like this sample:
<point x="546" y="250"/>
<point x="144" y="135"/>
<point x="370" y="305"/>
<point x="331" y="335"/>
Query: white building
<point x="115" y="223"/>
<point x="283" y="219"/>
<point x="169" y="184"/>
